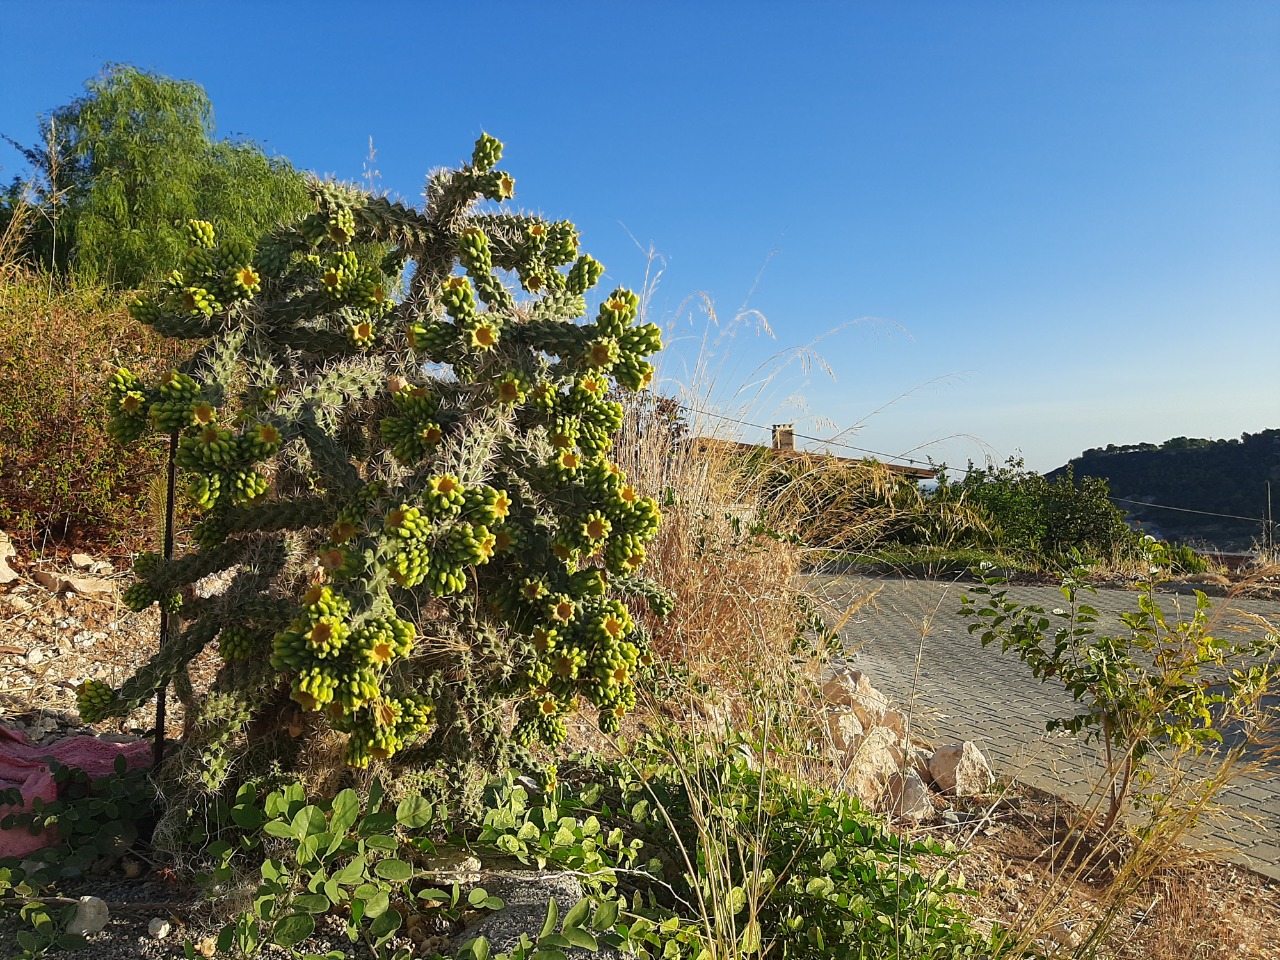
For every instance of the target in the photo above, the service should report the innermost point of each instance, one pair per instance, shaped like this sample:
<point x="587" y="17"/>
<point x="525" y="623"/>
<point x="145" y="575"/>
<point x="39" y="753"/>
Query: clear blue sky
<point x="1049" y="225"/>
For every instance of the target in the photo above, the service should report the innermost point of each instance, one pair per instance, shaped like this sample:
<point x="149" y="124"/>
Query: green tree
<point x="1040" y="519"/>
<point x="121" y="169"/>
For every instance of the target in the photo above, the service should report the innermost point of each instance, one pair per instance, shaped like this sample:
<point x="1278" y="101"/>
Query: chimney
<point x="784" y="437"/>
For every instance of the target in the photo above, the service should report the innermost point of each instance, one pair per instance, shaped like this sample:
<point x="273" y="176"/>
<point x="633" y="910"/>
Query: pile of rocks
<point x="884" y="766"/>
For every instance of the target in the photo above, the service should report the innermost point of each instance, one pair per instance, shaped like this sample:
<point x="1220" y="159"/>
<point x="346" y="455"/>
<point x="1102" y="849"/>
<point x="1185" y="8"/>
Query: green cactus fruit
<point x="273" y="257"/>
<point x="595" y="527"/>
<point x="601" y="354"/>
<point x="237" y="643"/>
<point x="205" y="489"/>
<point x="341" y="228"/>
<point x="445" y="496"/>
<point x="510" y="390"/>
<point x="145" y="309"/>
<point x="583" y="275"/>
<point x="432" y="338"/>
<point x="244" y="280"/>
<point x="562" y="243"/>
<point x="481" y="333"/>
<point x="199" y="302"/>
<point x="260" y="441"/>
<point x="361" y="334"/>
<point x="473" y="251"/>
<point x="246" y="484"/>
<point x="200" y="233"/>
<point x="459" y="298"/>
<point x="94" y="700"/>
<point x="487" y="153"/>
<point x="496" y="185"/>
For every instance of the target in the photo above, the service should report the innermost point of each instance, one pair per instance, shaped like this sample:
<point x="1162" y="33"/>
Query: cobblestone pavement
<point x="917" y="649"/>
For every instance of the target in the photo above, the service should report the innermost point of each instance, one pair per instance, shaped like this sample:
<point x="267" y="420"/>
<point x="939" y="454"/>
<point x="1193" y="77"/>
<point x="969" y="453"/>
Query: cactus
<point x="411" y="547"/>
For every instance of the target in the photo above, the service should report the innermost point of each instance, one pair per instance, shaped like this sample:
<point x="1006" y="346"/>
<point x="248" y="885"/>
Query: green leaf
<point x="308" y="821"/>
<point x="385" y="925"/>
<point x="293" y="929"/>
<point x="311" y="903"/>
<point x="606" y="915"/>
<point x="279" y="828"/>
<point x="477" y="949"/>
<point x="345" y="811"/>
<point x="576" y="914"/>
<point x="377" y="905"/>
<point x="553" y="916"/>
<point x="246" y="816"/>
<point x="413" y="813"/>
<point x="352" y="873"/>
<point x="380" y="841"/>
<point x="394" y="870"/>
<point x="580" y="938"/>
<point x="477" y="896"/>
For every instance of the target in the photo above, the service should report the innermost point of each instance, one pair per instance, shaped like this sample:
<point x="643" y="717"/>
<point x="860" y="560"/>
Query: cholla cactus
<point x="414" y="497"/>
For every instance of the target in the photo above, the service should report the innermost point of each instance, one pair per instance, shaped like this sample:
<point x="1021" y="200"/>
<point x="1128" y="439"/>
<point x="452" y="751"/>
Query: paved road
<point x="915" y="647"/>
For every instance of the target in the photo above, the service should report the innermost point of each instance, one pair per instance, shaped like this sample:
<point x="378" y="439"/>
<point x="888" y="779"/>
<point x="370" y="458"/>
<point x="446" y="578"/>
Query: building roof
<point x="706" y="444"/>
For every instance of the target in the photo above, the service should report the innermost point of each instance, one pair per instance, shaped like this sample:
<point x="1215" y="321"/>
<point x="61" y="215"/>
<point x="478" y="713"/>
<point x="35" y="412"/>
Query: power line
<point x="804" y="436"/>
<point x="1204" y="513"/>
<point x="964" y="472"/>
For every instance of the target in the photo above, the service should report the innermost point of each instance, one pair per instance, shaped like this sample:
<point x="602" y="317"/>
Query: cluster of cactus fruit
<point x="387" y="480"/>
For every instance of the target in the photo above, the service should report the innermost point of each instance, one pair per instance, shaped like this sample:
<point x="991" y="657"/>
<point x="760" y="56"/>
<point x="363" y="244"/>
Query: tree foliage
<point x="121" y="169"/>
<point x="1032" y="516"/>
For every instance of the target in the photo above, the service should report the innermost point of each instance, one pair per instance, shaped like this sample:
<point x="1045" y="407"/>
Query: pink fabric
<point x="27" y="767"/>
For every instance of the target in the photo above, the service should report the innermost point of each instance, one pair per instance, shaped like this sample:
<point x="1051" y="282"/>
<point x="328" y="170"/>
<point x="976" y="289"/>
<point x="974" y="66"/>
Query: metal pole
<point x="158" y="754"/>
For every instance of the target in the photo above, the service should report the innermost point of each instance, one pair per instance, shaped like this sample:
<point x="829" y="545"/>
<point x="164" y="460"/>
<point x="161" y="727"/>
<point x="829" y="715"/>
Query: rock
<point x="919" y="758"/>
<point x="525" y="895"/>
<point x="1062" y="934"/>
<point x="35" y="655"/>
<point x="85" y="586"/>
<point x="17" y="604"/>
<point x="960" y="769"/>
<point x="908" y="796"/>
<point x="82" y="561"/>
<point x="90" y="917"/>
<point x="6" y="551"/>
<point x="896" y="722"/>
<point x="852" y="689"/>
<point x="844" y="729"/>
<point x="101" y="568"/>
<point x="452" y="866"/>
<point x="869" y="766"/>
<point x="159" y="928"/>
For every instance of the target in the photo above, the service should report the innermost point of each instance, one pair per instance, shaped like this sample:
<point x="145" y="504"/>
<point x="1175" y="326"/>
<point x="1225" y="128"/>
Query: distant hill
<point x="1216" y="476"/>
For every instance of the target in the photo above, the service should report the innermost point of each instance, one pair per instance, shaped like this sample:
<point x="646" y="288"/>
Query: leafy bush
<point x="1043" y="521"/>
<point x="61" y="475"/>
<point x="1167" y="683"/>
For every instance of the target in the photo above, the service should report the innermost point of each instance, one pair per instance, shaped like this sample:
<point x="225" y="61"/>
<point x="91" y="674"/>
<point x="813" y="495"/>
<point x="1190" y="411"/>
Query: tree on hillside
<point x="121" y="169"/>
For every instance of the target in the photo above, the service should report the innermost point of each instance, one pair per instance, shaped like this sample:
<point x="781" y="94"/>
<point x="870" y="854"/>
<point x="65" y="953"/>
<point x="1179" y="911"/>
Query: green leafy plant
<point x="94" y="823"/>
<point x="413" y="501"/>
<point x="1164" y="683"/>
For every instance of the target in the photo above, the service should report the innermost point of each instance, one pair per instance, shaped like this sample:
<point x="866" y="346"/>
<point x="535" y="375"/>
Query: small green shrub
<point x="95" y="822"/>
<point x="1165" y="683"/>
